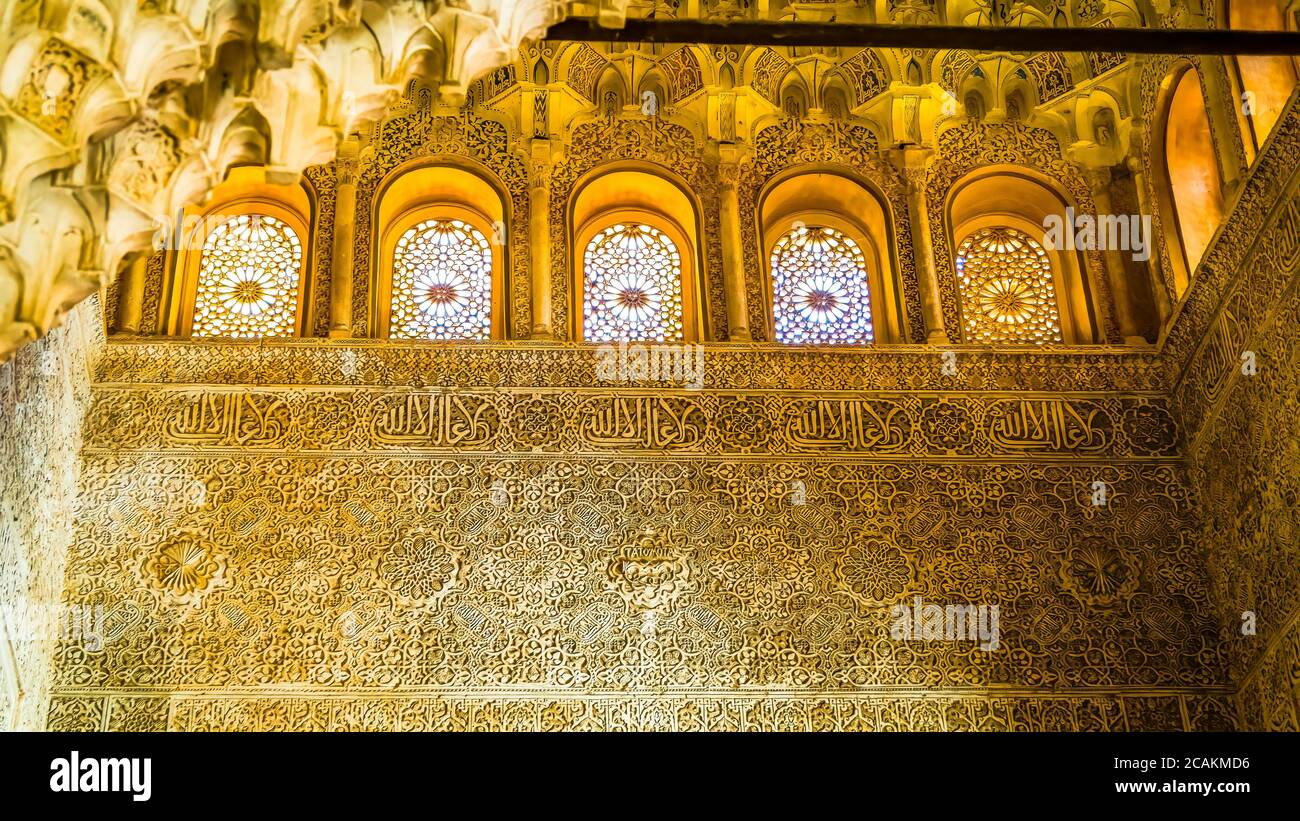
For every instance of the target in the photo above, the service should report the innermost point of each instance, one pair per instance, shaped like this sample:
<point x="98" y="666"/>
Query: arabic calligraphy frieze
<point x="436" y="420"/>
<point x="1048" y="425"/>
<point x="230" y="418"/>
<point x="722" y="424"/>
<point x="642" y="423"/>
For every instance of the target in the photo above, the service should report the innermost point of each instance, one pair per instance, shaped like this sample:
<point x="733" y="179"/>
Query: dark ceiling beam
<point x="970" y="38"/>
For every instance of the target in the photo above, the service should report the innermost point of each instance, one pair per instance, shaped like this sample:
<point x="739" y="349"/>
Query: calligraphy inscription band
<point x="717" y="423"/>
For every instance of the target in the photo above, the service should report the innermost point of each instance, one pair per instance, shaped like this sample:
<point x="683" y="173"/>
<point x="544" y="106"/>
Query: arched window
<point x="239" y="266"/>
<point x="248" y="279"/>
<point x="1194" y="200"/>
<point x="1264" y="83"/>
<point x="820" y="289"/>
<point x="633" y="287"/>
<point x="634" y="251"/>
<point x="1017" y="279"/>
<point x="442" y="282"/>
<point x="1005" y="279"/>
<point x="442" y="252"/>
<point x="832" y="270"/>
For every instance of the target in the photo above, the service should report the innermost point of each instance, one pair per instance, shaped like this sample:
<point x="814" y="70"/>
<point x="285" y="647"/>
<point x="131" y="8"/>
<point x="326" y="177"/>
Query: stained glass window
<point x="633" y="287"/>
<point x="820" y="290"/>
<point x="1006" y="288"/>
<point x="248" y="279"/>
<point x="442" y="282"/>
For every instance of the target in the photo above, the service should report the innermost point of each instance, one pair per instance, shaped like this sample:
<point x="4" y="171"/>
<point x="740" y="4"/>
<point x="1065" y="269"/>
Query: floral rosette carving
<point x="185" y="568"/>
<point x="537" y="422"/>
<point x="744" y="424"/>
<point x="947" y="426"/>
<point x="1098" y="571"/>
<point x="1150" y="429"/>
<point x="872" y="569"/>
<point x="421" y="569"/>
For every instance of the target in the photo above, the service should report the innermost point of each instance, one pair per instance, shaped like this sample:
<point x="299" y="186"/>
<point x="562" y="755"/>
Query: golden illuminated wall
<point x="1240" y="397"/>
<point x="355" y="550"/>
<point x="356" y="533"/>
<point x="44" y="392"/>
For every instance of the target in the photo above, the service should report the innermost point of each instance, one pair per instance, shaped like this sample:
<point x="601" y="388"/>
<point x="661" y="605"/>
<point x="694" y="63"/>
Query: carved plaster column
<point x="345" y="209"/>
<point x="918" y="213"/>
<point x="1155" y="269"/>
<point x="1221" y="109"/>
<point x="539" y="238"/>
<point x="1116" y="272"/>
<point x="130" y="296"/>
<point x="733" y="257"/>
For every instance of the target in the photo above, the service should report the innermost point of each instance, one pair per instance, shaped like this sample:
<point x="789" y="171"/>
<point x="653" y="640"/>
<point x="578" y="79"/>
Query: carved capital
<point x="914" y="177"/>
<point x="345" y="171"/>
<point x="913" y="167"/>
<point x="728" y="174"/>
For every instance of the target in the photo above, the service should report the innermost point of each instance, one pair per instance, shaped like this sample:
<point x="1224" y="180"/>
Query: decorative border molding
<point x="875" y="425"/>
<point x="872" y="710"/>
<point x="144" y="361"/>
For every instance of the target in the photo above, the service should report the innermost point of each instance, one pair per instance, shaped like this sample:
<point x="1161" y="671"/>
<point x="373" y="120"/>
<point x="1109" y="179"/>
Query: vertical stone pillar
<point x="927" y="275"/>
<point x="1147" y="206"/>
<point x="733" y="256"/>
<point x="130" y="296"/>
<point x="1221" y="106"/>
<point x="539" y="239"/>
<point x="1116" y="272"/>
<point x="345" y="212"/>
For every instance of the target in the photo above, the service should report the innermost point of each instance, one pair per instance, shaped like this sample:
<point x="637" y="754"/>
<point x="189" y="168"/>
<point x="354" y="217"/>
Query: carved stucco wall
<point x="44" y="392"/>
<point x="1246" y="459"/>
<point x="307" y="534"/>
<point x="356" y="548"/>
<point x="315" y="534"/>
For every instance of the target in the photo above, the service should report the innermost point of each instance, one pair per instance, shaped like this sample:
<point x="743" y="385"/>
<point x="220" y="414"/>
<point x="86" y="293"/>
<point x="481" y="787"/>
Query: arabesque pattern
<point x="442" y="283"/>
<point x="248" y="279"/>
<point x="365" y="534"/>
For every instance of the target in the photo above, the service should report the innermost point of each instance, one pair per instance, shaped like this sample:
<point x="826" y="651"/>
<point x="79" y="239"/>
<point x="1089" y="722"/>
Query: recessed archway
<point x="449" y="200"/>
<point x="645" y="196"/>
<point x="1022" y="204"/>
<point x="834" y="199"/>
